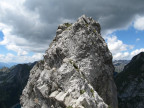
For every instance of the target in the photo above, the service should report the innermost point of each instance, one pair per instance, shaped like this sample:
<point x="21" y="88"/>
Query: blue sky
<point x="9" y="55"/>
<point x="131" y="36"/>
<point x="3" y="49"/>
<point x="1" y="35"/>
<point x="28" y="26"/>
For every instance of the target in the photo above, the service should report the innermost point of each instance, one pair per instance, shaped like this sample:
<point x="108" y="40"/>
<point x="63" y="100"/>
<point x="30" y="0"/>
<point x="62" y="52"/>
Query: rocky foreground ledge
<point x="76" y="71"/>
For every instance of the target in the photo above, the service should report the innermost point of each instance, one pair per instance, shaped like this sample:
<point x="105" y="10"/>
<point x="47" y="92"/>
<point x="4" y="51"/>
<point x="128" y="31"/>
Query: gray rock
<point x="76" y="71"/>
<point x="130" y="83"/>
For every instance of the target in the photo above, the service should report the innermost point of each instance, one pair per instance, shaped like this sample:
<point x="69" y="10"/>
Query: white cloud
<point x="1" y="56"/>
<point x="30" y="25"/>
<point x="137" y="51"/>
<point x="121" y="56"/>
<point x="138" y="39"/>
<point x="16" y="49"/>
<point x="22" y="29"/>
<point x="116" y="46"/>
<point x="127" y="55"/>
<point x="10" y="44"/>
<point x="22" y="53"/>
<point x="20" y="59"/>
<point x="36" y="22"/>
<point x="8" y="57"/>
<point x="139" y="23"/>
<point x="121" y="51"/>
<point x="37" y="56"/>
<point x="19" y="44"/>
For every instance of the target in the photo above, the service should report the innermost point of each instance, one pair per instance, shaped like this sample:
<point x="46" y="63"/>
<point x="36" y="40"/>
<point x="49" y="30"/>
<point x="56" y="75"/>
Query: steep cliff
<point x="12" y="82"/>
<point x="76" y="71"/>
<point x="130" y="83"/>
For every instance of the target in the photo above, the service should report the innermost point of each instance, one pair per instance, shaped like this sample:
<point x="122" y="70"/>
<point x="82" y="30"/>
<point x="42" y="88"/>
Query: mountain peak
<point x="76" y="72"/>
<point x="130" y="83"/>
<point x="82" y="21"/>
<point x="140" y="56"/>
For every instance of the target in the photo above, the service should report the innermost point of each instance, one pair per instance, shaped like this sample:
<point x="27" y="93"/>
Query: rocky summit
<point x="130" y="83"/>
<point x="76" y="72"/>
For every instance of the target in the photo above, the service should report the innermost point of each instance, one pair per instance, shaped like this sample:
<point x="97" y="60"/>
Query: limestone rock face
<point x="76" y="71"/>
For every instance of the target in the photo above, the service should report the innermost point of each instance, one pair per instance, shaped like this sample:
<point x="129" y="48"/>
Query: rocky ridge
<point x="130" y="83"/>
<point x="76" y="72"/>
<point x="12" y="82"/>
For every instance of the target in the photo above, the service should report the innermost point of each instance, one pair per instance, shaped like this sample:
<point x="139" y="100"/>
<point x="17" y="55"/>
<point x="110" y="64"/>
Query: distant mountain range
<point x="12" y="82"/>
<point x="119" y="65"/>
<point x="2" y="64"/>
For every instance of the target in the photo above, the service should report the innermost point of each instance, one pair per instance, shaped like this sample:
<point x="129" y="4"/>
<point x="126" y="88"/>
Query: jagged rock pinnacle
<point x="76" y="71"/>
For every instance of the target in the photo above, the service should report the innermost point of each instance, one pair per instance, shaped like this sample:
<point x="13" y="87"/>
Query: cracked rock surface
<point x="76" y="71"/>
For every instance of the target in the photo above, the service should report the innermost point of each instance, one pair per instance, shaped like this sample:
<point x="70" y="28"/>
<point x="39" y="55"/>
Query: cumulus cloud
<point x="30" y="25"/>
<point x="117" y="46"/>
<point x="121" y="51"/>
<point x="1" y="55"/>
<point x="137" y="51"/>
<point x="121" y="56"/>
<point x="20" y="59"/>
<point x="139" y="23"/>
<point x="127" y="55"/>
<point x="36" y="21"/>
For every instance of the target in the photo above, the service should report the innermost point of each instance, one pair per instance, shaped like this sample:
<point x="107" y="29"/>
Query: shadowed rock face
<point x="130" y="83"/>
<point x="76" y="71"/>
<point x="12" y="82"/>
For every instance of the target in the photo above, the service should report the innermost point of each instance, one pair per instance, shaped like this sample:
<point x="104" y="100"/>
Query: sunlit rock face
<point x="76" y="71"/>
<point x="130" y="83"/>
